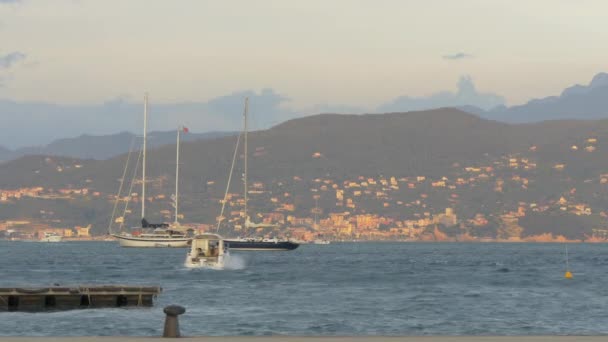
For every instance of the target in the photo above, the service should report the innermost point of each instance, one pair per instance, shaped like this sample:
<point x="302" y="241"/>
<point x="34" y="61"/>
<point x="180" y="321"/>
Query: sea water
<point x="337" y="289"/>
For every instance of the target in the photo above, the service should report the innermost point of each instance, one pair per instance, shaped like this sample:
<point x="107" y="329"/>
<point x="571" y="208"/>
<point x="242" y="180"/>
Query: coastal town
<point x="386" y="208"/>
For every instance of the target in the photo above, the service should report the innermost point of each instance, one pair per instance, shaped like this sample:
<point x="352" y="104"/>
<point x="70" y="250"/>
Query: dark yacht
<point x="251" y="243"/>
<point x="259" y="244"/>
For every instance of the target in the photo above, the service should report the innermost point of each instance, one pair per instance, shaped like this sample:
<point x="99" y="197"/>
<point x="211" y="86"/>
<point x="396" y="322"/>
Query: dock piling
<point x="171" y="321"/>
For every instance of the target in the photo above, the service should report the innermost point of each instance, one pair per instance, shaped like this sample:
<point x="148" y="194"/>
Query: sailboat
<point x="252" y="243"/>
<point x="51" y="237"/>
<point x="155" y="234"/>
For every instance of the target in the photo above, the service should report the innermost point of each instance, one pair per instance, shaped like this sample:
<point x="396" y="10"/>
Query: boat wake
<point x="231" y="262"/>
<point x="234" y="262"/>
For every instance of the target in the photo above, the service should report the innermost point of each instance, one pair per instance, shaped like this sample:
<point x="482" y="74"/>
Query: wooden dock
<point x="79" y="297"/>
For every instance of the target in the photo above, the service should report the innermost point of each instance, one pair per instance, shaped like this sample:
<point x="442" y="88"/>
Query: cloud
<point x="265" y="107"/>
<point x="35" y="123"/>
<point x="466" y="94"/>
<point x="9" y="1"/>
<point x="457" y="56"/>
<point x="46" y="122"/>
<point x="11" y="59"/>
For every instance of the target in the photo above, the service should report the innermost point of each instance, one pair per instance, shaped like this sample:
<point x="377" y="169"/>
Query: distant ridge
<point x="413" y="143"/>
<point x="575" y="102"/>
<point x="101" y="146"/>
<point x="587" y="102"/>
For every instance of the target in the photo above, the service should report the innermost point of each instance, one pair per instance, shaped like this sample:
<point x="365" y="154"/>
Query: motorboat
<point x="207" y="251"/>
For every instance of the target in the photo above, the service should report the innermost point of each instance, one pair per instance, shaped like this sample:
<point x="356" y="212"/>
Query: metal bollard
<point x="171" y="322"/>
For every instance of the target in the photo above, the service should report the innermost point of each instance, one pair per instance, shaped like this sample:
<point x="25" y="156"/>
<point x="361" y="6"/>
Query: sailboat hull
<point x="247" y="245"/>
<point x="148" y="242"/>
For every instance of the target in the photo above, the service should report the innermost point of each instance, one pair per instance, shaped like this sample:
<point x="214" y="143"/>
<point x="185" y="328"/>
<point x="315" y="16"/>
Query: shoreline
<point x="368" y="241"/>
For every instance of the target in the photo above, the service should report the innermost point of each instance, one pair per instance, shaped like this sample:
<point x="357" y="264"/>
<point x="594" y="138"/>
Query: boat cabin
<point x="164" y="233"/>
<point x="207" y="246"/>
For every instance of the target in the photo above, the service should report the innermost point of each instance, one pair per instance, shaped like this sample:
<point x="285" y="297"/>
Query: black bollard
<point x="171" y="322"/>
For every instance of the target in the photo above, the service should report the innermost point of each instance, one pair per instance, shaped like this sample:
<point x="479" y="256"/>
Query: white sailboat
<point x="51" y="237"/>
<point x="155" y="234"/>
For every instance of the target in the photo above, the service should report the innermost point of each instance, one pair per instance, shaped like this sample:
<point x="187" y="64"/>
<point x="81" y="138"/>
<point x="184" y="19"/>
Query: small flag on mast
<point x="185" y="129"/>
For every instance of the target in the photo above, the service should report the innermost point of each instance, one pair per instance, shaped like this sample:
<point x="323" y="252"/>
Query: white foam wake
<point x="234" y="262"/>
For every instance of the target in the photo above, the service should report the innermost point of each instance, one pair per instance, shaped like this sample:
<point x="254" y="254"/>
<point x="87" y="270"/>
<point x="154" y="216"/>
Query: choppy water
<point x="339" y="289"/>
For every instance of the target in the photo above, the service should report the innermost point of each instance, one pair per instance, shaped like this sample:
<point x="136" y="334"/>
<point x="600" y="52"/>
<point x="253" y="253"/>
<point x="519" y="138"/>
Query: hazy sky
<point x="69" y="67"/>
<point x="359" y="53"/>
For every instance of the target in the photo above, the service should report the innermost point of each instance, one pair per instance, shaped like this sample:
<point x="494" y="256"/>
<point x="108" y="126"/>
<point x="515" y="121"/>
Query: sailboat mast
<point x="143" y="172"/>
<point x="567" y="261"/>
<point x="177" y="174"/>
<point x="245" y="157"/>
<point x="316" y="211"/>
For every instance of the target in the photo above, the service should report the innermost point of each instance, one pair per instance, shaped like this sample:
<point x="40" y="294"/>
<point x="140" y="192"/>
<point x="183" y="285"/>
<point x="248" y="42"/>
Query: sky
<point x="302" y="57"/>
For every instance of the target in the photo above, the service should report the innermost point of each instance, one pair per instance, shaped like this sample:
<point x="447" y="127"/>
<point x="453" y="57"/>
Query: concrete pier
<point x="68" y="298"/>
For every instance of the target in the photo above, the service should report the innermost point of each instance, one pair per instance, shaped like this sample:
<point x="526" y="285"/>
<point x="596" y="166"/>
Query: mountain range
<point x="575" y="102"/>
<point x="424" y="142"/>
<point x="289" y="158"/>
<point x="102" y="146"/>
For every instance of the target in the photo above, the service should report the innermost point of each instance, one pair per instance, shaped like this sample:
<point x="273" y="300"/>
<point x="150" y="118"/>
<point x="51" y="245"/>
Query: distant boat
<point x="261" y="244"/>
<point x="252" y="243"/>
<point x="155" y="234"/>
<point x="207" y="251"/>
<point x="51" y="237"/>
